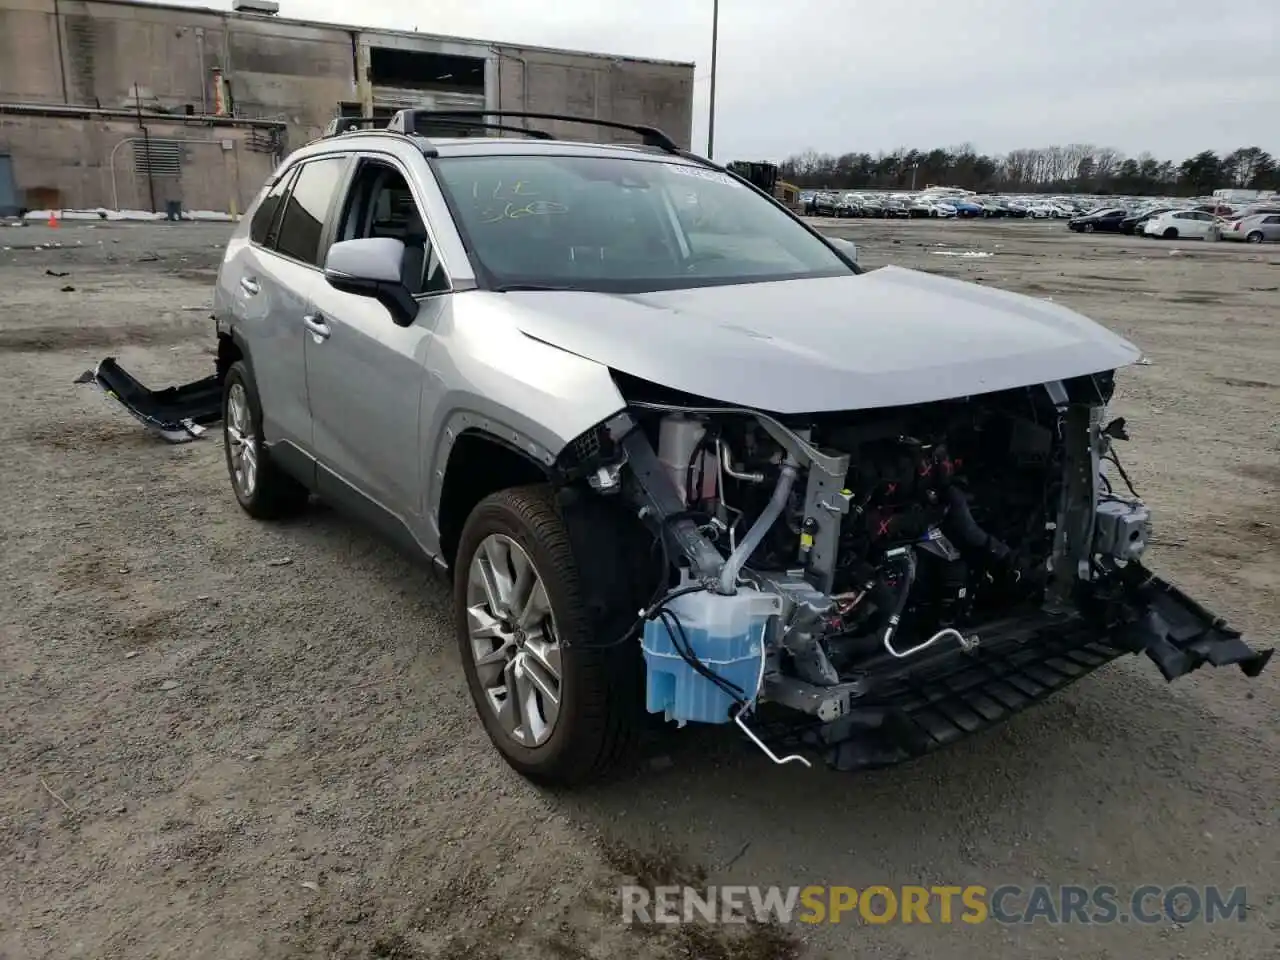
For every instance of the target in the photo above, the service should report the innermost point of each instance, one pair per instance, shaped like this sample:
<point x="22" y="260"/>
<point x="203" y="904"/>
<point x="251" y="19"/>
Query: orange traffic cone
<point x="53" y="219"/>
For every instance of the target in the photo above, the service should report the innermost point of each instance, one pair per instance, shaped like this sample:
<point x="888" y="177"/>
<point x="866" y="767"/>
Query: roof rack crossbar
<point x="532" y="132"/>
<point x="340" y="125"/>
<point x="406" y="121"/>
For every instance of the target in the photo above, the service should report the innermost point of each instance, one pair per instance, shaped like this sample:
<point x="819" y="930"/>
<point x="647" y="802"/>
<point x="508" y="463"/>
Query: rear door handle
<point x="249" y="286"/>
<point x="315" y="323"/>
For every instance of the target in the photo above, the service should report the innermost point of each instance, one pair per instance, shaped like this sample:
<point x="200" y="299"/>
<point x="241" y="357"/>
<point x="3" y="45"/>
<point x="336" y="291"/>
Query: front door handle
<point x="315" y="323"/>
<point x="249" y="286"/>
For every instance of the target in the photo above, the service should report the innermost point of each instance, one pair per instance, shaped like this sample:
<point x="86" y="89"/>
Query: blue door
<point x="8" y="189"/>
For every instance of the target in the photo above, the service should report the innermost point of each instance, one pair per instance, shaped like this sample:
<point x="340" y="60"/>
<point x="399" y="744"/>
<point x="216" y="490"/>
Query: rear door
<point x="365" y="373"/>
<point x="275" y="274"/>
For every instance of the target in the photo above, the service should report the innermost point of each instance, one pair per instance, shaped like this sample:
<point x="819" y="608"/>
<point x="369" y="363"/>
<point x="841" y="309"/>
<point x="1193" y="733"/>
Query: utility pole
<point x="146" y="140"/>
<point x="715" y="41"/>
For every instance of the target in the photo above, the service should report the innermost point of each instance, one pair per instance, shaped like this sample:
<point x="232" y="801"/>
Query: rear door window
<point x="302" y="226"/>
<point x="267" y="216"/>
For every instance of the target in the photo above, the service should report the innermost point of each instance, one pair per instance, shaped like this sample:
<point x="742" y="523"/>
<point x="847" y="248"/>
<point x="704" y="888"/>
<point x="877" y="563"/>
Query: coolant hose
<point x="960" y="521"/>
<point x="733" y="566"/>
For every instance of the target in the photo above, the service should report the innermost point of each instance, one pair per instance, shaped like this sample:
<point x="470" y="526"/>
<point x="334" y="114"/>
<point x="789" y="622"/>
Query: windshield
<point x="619" y="225"/>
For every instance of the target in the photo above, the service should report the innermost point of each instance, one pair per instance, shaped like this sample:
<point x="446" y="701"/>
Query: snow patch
<point x="967" y="254"/>
<point x="207" y="216"/>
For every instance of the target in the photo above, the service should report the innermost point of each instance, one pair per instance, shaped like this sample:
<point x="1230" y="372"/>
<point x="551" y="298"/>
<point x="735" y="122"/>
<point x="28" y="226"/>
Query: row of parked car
<point x="957" y="204"/>
<point x="1211" y="220"/>
<point x="1256" y="224"/>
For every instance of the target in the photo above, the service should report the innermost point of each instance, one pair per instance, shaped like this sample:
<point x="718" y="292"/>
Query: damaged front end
<point x="872" y="585"/>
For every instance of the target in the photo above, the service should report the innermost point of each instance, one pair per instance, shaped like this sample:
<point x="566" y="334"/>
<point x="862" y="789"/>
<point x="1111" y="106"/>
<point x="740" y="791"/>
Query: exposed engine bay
<point x="836" y="563"/>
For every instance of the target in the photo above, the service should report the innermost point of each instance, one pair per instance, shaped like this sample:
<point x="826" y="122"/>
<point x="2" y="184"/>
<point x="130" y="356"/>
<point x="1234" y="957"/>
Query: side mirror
<point x="846" y="247"/>
<point x="371" y="268"/>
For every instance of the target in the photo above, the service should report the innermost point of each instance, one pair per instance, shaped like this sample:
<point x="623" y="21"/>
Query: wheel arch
<point x="480" y="457"/>
<point x="231" y="347"/>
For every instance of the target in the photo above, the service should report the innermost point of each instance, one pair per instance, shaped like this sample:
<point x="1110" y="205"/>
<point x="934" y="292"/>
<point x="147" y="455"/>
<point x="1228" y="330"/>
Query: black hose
<point x="960" y="522"/>
<point x="662" y="593"/>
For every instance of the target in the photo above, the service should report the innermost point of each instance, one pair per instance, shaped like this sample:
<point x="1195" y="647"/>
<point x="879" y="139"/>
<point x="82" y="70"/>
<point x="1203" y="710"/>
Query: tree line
<point x="1077" y="167"/>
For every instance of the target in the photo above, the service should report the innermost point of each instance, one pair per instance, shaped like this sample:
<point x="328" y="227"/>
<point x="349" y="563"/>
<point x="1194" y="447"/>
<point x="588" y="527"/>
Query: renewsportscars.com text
<point x="1006" y="904"/>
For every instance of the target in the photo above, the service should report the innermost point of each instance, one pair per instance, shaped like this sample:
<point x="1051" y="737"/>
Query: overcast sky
<point x="1170" y="76"/>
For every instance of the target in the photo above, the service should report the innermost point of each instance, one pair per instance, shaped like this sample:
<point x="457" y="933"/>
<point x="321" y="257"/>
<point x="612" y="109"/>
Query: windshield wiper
<point x="521" y="287"/>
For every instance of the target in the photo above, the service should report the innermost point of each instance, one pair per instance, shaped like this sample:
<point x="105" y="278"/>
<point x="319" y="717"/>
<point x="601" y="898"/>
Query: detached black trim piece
<point x="177" y="414"/>
<point x="1178" y="634"/>
<point x="938" y="700"/>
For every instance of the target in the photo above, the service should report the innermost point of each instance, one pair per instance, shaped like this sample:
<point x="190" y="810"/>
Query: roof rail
<point x="407" y="121"/>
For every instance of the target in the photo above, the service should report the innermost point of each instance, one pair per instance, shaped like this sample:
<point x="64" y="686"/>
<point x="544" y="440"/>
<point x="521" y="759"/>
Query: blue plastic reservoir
<point x="726" y="633"/>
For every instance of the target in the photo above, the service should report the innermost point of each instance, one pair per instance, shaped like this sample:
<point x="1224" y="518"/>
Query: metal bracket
<point x="1073" y="539"/>
<point x="825" y="505"/>
<point x="659" y="496"/>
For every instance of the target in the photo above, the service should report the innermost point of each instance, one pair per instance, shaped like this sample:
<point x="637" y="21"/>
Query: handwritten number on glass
<point x="515" y="203"/>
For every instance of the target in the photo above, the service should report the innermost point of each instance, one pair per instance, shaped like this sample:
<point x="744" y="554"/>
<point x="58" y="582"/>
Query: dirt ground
<point x="226" y="739"/>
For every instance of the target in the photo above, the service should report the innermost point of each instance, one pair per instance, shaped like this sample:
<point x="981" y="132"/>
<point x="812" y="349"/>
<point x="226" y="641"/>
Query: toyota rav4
<point x="679" y="453"/>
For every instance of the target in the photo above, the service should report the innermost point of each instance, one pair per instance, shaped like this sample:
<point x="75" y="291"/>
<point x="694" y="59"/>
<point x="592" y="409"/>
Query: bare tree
<point x="1105" y="162"/>
<point x="1074" y="156"/>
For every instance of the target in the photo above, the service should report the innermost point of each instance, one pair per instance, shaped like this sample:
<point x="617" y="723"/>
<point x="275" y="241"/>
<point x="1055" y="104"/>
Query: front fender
<point x="484" y="374"/>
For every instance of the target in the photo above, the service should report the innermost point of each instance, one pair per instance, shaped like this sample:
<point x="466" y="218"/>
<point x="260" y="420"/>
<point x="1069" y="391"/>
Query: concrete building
<point x="109" y="103"/>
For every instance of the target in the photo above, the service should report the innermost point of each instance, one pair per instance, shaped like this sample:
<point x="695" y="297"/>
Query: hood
<point x="884" y="338"/>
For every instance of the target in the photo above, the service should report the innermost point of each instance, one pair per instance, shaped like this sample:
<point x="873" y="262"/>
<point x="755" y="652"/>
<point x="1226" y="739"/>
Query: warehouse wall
<point x="85" y="164"/>
<point x="629" y="91"/>
<point x="115" y="54"/>
<point x="29" y="62"/>
<point x="290" y="72"/>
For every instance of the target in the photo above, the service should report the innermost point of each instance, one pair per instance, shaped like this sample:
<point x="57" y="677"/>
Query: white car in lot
<point x="1181" y="224"/>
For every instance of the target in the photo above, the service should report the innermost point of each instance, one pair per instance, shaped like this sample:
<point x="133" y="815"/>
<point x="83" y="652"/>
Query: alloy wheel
<point x="514" y="641"/>
<point x="242" y="445"/>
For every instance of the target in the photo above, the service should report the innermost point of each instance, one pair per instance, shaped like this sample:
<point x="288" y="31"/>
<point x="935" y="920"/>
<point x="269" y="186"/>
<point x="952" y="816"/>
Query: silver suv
<point x="682" y="456"/>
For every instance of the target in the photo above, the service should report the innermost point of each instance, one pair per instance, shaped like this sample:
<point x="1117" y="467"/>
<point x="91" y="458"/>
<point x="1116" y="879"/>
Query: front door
<point x="365" y="373"/>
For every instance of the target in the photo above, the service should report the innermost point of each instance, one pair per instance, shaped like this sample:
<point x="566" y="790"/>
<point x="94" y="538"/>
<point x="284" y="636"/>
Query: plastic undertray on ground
<point x="178" y="414"/>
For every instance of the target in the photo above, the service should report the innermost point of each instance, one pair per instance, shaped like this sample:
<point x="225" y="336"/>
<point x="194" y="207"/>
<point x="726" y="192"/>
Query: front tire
<point x="262" y="489"/>
<point x="560" y="706"/>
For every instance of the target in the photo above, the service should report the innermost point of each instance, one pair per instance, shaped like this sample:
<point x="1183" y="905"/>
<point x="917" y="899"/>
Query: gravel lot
<point x="224" y="739"/>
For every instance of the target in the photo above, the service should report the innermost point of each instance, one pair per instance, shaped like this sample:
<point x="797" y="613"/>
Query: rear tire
<point x="1255" y="237"/>
<point x="597" y="696"/>
<point x="1170" y="234"/>
<point x="262" y="489"/>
